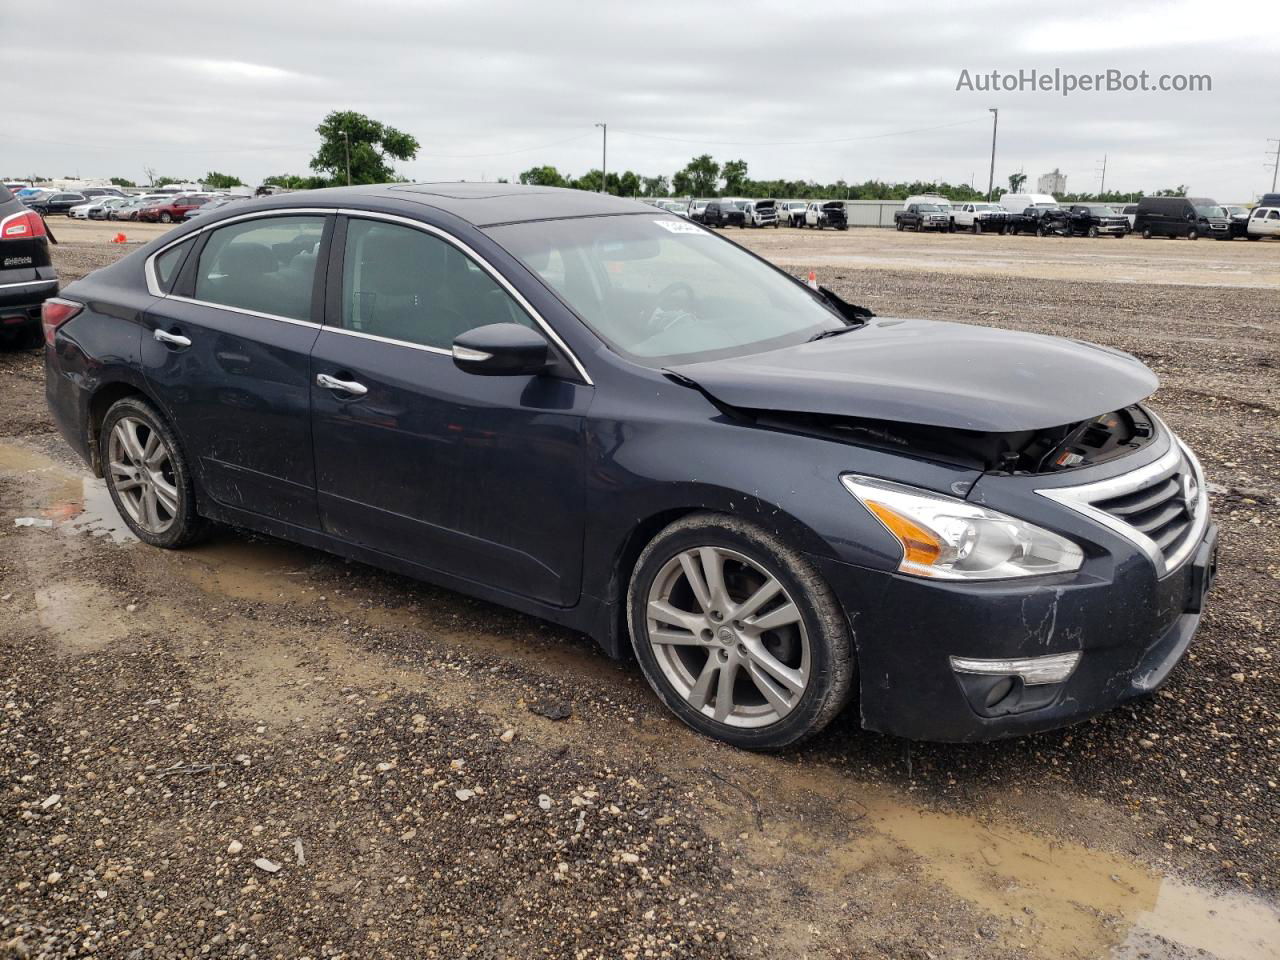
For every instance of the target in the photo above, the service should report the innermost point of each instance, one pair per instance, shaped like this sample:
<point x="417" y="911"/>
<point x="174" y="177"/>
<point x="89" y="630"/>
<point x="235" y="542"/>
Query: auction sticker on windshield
<point x="679" y="226"/>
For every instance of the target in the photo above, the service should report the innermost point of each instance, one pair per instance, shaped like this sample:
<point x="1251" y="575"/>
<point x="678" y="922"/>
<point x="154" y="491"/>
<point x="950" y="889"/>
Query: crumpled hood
<point x="930" y="372"/>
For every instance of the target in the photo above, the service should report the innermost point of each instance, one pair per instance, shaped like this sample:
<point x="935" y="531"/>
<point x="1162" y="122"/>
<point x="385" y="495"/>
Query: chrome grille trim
<point x="1086" y="499"/>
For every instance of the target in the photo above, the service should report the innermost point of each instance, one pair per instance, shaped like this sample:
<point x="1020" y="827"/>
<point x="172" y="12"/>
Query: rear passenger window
<point x="167" y="264"/>
<point x="409" y="285"/>
<point x="266" y="265"/>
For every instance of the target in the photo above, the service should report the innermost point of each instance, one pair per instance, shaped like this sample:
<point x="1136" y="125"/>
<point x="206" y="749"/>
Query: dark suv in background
<point x="27" y="277"/>
<point x="59" y="202"/>
<point x="724" y="213"/>
<point x="1190" y="217"/>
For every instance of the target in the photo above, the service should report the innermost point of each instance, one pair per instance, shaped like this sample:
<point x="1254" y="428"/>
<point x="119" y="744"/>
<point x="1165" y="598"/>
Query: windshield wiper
<point x="824" y="334"/>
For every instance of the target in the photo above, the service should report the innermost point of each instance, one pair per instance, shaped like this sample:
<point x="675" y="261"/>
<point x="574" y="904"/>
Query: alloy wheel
<point x="728" y="637"/>
<point x="140" y="469"/>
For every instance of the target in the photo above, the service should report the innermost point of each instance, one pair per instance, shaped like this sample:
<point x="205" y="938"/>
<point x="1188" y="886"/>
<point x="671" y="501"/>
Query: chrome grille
<point x="1162" y="507"/>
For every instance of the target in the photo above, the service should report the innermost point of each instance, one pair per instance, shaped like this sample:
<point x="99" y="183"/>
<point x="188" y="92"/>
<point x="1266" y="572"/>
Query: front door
<point x="478" y="477"/>
<point x="227" y="354"/>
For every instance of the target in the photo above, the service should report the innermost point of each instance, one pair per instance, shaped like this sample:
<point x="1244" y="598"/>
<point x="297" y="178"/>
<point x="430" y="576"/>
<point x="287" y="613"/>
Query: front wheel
<point x="1193" y="234"/>
<point x="1093" y="233"/>
<point x="165" y="218"/>
<point x="147" y="475"/>
<point x="738" y="634"/>
<point x="898" y="226"/>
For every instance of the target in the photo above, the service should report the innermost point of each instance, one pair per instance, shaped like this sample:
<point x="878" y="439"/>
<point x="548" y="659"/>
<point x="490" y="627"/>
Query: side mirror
<point x="501" y="350"/>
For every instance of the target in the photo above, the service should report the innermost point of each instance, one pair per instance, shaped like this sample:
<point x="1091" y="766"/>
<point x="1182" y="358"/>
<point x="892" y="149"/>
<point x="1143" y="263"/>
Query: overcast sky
<point x="491" y="88"/>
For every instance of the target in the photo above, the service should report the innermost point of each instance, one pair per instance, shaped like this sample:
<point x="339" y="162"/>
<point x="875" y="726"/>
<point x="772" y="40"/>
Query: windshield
<point x="665" y="289"/>
<point x="1100" y="211"/>
<point x="927" y="207"/>
<point x="1210" y="211"/>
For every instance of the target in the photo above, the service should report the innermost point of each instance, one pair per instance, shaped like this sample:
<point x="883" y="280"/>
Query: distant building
<point x="1054" y="183"/>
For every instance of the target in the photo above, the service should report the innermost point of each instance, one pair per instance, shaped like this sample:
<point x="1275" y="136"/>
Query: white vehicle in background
<point x="761" y="213"/>
<point x="1130" y="213"/>
<point x="81" y="211"/>
<point x="1018" y="202"/>
<point x="1264" y="222"/>
<point x="979" y="217"/>
<point x="791" y="212"/>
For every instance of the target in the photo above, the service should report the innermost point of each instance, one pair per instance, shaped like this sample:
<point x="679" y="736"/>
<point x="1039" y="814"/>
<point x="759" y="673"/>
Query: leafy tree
<point x="544" y="176"/>
<point x="698" y="178"/>
<point x="165" y="181"/>
<point x="655" y="186"/>
<point x="1179" y="191"/>
<point x="1016" y="180"/>
<point x="734" y="173"/>
<point x="121" y="182"/>
<point x="628" y="185"/>
<point x="220" y="181"/>
<point x="370" y="144"/>
<point x="293" y="181"/>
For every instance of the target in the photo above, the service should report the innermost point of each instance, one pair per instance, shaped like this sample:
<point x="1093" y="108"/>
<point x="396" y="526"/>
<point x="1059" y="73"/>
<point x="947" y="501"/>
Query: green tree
<point x="121" y="182"/>
<point x="698" y="178"/>
<point x="220" y="181"/>
<point x="628" y="184"/>
<point x="165" y="181"/>
<point x="543" y="176"/>
<point x="655" y="186"/>
<point x="1016" y="180"/>
<point x="734" y="173"/>
<point x="1179" y="191"/>
<point x="293" y="181"/>
<point x="369" y="144"/>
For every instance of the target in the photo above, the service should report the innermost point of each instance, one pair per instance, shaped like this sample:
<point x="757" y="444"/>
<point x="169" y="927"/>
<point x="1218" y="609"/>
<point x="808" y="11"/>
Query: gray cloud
<point x="483" y="84"/>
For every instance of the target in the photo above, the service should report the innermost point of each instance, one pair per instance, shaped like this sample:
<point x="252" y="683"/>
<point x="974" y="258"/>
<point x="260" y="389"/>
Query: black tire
<point x="1193" y="234"/>
<point x="1252" y="236"/>
<point x="186" y="526"/>
<point x="831" y="658"/>
<point x="898" y="226"/>
<point x="975" y="227"/>
<point x="26" y="337"/>
<point x="1146" y="233"/>
<point x="165" y="218"/>
<point x="1040" y="232"/>
<point x="1093" y="233"/>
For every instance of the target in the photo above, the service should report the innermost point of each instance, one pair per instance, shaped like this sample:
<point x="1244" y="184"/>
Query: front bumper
<point x="1131" y="629"/>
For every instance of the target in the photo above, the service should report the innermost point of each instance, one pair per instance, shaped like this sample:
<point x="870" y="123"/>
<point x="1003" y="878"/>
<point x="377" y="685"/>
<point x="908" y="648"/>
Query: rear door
<point x="227" y="353"/>
<point x="478" y="477"/>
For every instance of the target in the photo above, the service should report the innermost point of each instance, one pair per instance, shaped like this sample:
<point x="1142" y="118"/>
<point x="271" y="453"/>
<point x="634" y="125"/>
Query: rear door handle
<point x="172" y="339"/>
<point x="346" y="386"/>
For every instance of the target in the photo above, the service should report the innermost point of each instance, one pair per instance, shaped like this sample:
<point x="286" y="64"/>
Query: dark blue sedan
<point x="611" y="417"/>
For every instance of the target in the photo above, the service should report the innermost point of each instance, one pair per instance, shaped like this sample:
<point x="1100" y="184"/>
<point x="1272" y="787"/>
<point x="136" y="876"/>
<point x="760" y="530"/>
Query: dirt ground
<point x="170" y="720"/>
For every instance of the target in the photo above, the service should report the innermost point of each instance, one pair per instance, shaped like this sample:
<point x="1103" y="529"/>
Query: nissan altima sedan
<point x="611" y="417"/>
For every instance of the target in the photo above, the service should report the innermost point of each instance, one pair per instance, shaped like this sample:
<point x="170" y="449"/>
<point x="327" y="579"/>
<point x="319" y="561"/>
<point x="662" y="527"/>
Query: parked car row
<point x="108" y="203"/>
<point x="1041" y="214"/>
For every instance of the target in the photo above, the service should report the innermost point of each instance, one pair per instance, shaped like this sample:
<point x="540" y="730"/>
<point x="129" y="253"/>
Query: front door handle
<point x="346" y="386"/>
<point x="172" y="339"/>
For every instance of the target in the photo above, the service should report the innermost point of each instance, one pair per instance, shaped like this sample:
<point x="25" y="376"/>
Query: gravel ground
<point x="169" y="719"/>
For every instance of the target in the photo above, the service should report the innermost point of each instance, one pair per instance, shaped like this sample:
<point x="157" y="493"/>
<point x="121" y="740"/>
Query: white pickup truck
<point x="979" y="217"/>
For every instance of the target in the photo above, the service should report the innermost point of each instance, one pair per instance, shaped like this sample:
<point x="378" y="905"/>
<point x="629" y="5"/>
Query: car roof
<point x="480" y="204"/>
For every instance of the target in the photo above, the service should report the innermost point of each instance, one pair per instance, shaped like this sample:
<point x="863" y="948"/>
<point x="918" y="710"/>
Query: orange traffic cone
<point x="121" y="238"/>
<point x="813" y="280"/>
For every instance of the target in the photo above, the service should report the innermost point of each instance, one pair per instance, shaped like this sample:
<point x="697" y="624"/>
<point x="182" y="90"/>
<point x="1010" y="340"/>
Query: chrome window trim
<point x="1083" y="497"/>
<point x="153" y="281"/>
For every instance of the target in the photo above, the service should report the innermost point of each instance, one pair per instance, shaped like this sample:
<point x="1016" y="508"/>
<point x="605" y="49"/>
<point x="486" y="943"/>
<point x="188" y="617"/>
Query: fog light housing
<point x="1054" y="668"/>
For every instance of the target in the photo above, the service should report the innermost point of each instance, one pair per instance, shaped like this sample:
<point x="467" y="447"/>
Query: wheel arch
<point x="100" y="401"/>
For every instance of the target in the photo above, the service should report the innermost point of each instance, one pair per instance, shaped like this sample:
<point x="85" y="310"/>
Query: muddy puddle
<point x="1045" y="897"/>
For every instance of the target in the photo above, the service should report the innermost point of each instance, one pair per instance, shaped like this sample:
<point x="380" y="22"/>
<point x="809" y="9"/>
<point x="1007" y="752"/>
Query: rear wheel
<point x="738" y="634"/>
<point x="1146" y="233"/>
<point x="147" y="475"/>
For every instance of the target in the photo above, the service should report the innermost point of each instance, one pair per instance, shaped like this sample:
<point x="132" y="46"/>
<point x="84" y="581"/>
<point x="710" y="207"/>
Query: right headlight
<point x="950" y="539"/>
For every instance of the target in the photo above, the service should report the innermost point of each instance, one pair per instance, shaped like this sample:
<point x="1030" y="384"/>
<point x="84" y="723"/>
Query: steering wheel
<point x="675" y="299"/>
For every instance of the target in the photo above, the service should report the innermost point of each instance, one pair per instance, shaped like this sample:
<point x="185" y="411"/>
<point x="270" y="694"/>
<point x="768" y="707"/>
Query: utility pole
<point x="346" y="140"/>
<point x="1102" y="183"/>
<point x="1275" y="166"/>
<point x="604" y="156"/>
<point x="991" y="180"/>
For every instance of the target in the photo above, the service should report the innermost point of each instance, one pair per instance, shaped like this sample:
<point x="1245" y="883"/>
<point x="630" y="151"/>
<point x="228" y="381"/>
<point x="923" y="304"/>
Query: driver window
<point x="407" y="284"/>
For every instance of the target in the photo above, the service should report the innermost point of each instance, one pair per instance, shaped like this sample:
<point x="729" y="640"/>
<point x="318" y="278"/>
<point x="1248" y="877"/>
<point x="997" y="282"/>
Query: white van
<point x="1017" y="202"/>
